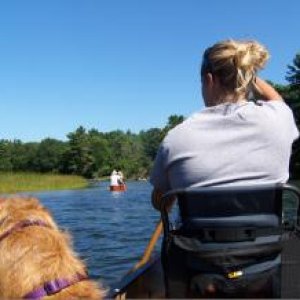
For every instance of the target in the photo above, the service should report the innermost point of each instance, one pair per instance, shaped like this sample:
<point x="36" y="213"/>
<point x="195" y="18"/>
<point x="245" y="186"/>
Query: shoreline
<point x="17" y="182"/>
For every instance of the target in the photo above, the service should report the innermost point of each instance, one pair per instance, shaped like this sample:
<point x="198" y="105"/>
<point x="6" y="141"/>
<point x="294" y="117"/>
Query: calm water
<point x="110" y="229"/>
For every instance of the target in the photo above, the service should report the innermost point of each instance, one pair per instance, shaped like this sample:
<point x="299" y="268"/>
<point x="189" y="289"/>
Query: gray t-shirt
<point x="228" y="144"/>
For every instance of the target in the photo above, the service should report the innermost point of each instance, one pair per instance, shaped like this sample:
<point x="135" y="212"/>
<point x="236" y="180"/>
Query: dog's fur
<point x="34" y="255"/>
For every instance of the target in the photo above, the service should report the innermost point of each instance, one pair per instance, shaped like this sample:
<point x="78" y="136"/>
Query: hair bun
<point x="235" y="63"/>
<point x="251" y="55"/>
<point x="259" y="54"/>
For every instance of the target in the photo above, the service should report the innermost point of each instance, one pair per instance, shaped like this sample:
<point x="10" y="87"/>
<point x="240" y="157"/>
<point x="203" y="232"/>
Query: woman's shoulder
<point x="271" y="104"/>
<point x="185" y="125"/>
<point x="271" y="109"/>
<point x="273" y="116"/>
<point x="179" y="132"/>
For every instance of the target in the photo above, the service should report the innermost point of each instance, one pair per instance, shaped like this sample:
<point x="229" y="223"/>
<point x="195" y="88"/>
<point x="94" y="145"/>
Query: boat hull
<point x="145" y="282"/>
<point x="118" y="188"/>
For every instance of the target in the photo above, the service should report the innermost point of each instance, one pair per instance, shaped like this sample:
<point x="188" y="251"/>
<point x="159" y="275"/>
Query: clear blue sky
<point x="122" y="64"/>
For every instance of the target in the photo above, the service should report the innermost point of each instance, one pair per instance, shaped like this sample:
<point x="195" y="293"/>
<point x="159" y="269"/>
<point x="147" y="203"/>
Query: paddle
<point x="147" y="254"/>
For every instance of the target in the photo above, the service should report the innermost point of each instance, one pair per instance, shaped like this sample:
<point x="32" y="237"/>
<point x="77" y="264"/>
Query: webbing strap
<point x="212" y="235"/>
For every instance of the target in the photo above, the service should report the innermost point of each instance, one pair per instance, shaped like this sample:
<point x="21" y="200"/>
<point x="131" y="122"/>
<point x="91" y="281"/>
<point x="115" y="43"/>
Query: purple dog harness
<point x="50" y="287"/>
<point x="53" y="287"/>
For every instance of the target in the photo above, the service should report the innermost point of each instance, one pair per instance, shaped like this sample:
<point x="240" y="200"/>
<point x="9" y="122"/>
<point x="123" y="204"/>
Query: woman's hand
<point x="156" y="200"/>
<point x="265" y="90"/>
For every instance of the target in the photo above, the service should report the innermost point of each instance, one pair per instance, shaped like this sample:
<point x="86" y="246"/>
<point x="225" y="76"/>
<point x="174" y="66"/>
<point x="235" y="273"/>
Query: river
<point x="110" y="229"/>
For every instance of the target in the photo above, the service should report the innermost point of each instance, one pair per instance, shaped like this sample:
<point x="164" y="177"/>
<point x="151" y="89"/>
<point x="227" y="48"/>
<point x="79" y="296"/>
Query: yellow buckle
<point x="235" y="274"/>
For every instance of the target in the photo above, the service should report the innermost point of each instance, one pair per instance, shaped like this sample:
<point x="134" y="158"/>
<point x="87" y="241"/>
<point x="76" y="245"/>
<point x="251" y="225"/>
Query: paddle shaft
<point x="154" y="238"/>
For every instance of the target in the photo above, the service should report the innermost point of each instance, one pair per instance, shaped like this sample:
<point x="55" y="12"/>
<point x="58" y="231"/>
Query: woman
<point x="232" y="141"/>
<point x="114" y="177"/>
<point x="121" y="178"/>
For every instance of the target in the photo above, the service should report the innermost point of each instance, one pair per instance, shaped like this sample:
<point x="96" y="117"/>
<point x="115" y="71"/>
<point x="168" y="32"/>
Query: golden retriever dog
<point x="36" y="258"/>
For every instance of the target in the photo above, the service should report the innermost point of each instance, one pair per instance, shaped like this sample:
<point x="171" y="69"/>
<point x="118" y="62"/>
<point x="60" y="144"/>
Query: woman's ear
<point x="214" y="85"/>
<point x="208" y="88"/>
<point x="209" y="80"/>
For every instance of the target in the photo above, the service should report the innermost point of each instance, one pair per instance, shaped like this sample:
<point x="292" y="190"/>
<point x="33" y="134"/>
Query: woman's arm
<point x="266" y="91"/>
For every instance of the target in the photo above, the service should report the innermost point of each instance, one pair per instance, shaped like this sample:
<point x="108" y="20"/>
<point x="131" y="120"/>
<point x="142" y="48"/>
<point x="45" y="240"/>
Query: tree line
<point x="89" y="153"/>
<point x="92" y="154"/>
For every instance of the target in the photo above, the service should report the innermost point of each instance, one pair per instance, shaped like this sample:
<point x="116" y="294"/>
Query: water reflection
<point x="116" y="195"/>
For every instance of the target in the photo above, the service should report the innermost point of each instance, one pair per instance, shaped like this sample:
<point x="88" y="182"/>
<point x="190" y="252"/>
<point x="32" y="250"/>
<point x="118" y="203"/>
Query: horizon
<point x="115" y="65"/>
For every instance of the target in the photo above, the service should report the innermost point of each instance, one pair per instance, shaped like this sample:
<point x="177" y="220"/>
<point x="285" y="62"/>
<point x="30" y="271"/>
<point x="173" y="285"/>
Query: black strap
<point x="197" y="247"/>
<point x="209" y="235"/>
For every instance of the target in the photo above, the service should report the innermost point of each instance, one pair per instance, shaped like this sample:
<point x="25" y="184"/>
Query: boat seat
<point x="229" y="242"/>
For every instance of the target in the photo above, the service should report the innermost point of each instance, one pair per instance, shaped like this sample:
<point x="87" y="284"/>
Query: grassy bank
<point x="28" y="182"/>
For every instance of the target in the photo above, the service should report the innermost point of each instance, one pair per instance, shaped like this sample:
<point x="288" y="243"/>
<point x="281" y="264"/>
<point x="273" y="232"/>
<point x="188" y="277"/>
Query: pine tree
<point x="293" y="99"/>
<point x="293" y="74"/>
<point x="78" y="159"/>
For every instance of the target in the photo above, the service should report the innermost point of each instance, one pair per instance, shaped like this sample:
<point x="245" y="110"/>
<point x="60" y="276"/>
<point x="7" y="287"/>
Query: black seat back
<point x="228" y="207"/>
<point x="239" y="207"/>
<point x="229" y="228"/>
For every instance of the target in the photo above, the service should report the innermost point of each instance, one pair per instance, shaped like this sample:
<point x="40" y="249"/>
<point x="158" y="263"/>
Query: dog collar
<point x="21" y="225"/>
<point x="54" y="286"/>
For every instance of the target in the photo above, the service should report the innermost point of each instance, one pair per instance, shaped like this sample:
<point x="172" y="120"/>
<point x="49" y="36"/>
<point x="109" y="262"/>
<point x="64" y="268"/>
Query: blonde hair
<point x="235" y="63"/>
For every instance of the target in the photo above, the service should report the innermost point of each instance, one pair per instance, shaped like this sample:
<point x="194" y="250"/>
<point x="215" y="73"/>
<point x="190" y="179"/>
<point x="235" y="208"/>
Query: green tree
<point x="99" y="148"/>
<point x="21" y="155"/>
<point x="125" y="152"/>
<point x="30" y="149"/>
<point x="293" y="74"/>
<point x="291" y="94"/>
<point x="49" y="155"/>
<point x="78" y="158"/>
<point x="5" y="156"/>
<point x="150" y="142"/>
<point x="132" y="156"/>
<point x="115" y="140"/>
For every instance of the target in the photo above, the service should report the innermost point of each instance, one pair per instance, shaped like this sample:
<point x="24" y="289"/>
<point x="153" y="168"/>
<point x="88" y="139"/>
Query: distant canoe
<point x="118" y="188"/>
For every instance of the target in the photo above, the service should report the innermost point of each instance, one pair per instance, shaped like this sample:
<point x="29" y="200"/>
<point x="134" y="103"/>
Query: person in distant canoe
<point x="120" y="177"/>
<point x="114" y="178"/>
